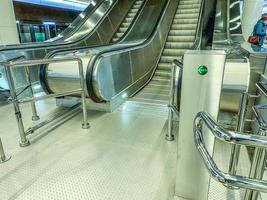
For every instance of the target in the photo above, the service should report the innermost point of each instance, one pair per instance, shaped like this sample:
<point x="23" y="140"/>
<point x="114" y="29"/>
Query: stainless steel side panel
<point x="124" y="70"/>
<point x="89" y="29"/>
<point x="199" y="93"/>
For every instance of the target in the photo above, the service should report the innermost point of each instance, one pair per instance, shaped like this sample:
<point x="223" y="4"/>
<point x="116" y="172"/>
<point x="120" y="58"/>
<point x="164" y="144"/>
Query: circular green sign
<point x="202" y="70"/>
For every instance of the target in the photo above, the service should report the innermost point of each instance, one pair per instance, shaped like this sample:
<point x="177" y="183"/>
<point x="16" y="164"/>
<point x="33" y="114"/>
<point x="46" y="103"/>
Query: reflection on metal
<point x="3" y="156"/>
<point x="174" y="91"/>
<point x="204" y="118"/>
<point x="234" y="159"/>
<point x="198" y="93"/>
<point x="14" y="98"/>
<point x="130" y="62"/>
<point x="88" y="29"/>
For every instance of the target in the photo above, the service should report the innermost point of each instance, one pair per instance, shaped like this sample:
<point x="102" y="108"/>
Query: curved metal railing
<point x="229" y="137"/>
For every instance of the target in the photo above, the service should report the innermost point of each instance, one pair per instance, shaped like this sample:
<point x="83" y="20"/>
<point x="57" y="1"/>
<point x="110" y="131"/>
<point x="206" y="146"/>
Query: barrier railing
<point x="32" y="99"/>
<point x="253" y="184"/>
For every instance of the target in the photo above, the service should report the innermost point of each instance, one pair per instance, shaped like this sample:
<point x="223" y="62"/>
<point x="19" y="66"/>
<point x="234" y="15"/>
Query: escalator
<point x="88" y="30"/>
<point x="128" y="20"/>
<point x="181" y="37"/>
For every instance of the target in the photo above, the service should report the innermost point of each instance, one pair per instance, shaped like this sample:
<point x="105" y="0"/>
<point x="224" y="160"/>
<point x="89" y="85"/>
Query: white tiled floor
<point x="122" y="156"/>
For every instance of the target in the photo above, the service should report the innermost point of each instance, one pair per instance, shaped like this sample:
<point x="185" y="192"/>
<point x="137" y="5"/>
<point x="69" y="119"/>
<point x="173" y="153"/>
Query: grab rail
<point x="177" y="64"/>
<point x="198" y="37"/>
<point x="32" y="99"/>
<point x="229" y="137"/>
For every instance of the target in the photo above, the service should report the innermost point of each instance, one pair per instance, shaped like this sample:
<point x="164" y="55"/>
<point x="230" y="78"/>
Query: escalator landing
<point x="122" y="156"/>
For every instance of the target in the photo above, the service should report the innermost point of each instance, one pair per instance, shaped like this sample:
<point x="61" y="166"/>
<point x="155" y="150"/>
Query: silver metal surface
<point x="199" y="92"/>
<point x="204" y="118"/>
<point x="129" y="65"/>
<point x="89" y="29"/>
<point x="235" y="153"/>
<point x="24" y="141"/>
<point x="114" y="160"/>
<point x="257" y="168"/>
<point x="170" y="136"/>
<point x="3" y="156"/>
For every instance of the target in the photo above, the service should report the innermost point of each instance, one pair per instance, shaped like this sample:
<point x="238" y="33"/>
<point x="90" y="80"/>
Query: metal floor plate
<point x="122" y="156"/>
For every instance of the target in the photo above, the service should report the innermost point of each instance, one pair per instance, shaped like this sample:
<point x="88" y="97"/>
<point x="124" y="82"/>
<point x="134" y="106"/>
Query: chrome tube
<point x="169" y="135"/>
<point x="23" y="139"/>
<point x="257" y="168"/>
<point x="3" y="156"/>
<point x="234" y="159"/>
<point x="60" y="94"/>
<point x="35" y="116"/>
<point x="230" y="137"/>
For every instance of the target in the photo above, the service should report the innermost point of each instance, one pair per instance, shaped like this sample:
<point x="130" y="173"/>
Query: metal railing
<point x="14" y="95"/>
<point x="3" y="156"/>
<point x="173" y="91"/>
<point x="253" y="183"/>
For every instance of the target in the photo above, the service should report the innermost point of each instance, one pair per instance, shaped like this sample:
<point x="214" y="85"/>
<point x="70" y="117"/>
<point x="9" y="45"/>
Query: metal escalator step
<point x="186" y="16"/>
<point x="123" y="29"/>
<point x="161" y="80"/>
<point x="190" y="6"/>
<point x="165" y="66"/>
<point x="133" y="10"/>
<point x="189" y="2"/>
<point x="126" y="24"/>
<point x="184" y="26"/>
<point x="187" y="11"/>
<point x="155" y="86"/>
<point x="128" y="20"/>
<point x="169" y="59"/>
<point x="178" y="45"/>
<point x="156" y="90"/>
<point x="131" y="15"/>
<point x="180" y="38"/>
<point x="119" y="35"/>
<point x="185" y="21"/>
<point x="163" y="73"/>
<point x="174" y="52"/>
<point x="182" y="32"/>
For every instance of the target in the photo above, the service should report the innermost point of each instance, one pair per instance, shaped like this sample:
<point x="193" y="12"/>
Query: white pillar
<point x="8" y="27"/>
<point x="252" y="11"/>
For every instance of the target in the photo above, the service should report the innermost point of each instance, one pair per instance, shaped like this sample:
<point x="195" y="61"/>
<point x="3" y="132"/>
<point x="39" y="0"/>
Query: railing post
<point x="234" y="159"/>
<point x="257" y="167"/>
<point x="169" y="135"/>
<point x="85" y="124"/>
<point x="35" y="116"/>
<point x="23" y="139"/>
<point x="3" y="157"/>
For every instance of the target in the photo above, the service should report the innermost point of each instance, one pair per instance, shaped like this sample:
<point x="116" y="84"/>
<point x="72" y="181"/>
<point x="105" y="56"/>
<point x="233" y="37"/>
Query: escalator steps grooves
<point x="128" y="20"/>
<point x="180" y="39"/>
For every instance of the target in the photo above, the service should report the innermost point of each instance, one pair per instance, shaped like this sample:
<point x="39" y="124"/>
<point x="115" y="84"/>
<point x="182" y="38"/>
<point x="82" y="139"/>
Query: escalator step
<point x="128" y="20"/>
<point x="169" y="59"/>
<point x="173" y="52"/>
<point x="187" y="11"/>
<point x="186" y="16"/>
<point x="185" y="21"/>
<point x="180" y="39"/>
<point x="182" y="32"/>
<point x="184" y="2"/>
<point x="178" y="45"/>
<point x="184" y="26"/>
<point x="190" y="6"/>
<point x="163" y="73"/>
<point x="165" y="66"/>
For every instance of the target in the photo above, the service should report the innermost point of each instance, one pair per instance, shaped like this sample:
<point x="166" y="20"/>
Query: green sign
<point x="202" y="70"/>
